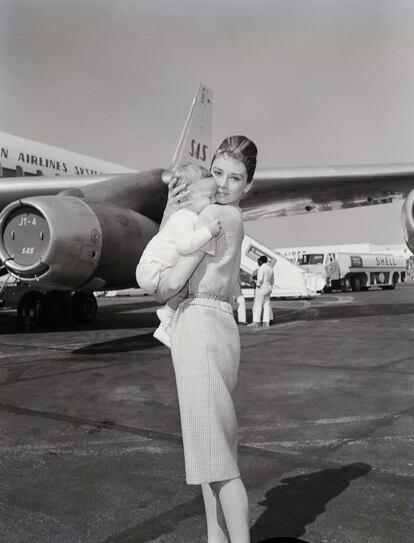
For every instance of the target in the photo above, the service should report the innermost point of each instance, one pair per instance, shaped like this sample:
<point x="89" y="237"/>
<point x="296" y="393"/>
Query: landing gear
<point x="56" y="308"/>
<point x="30" y="311"/>
<point x="84" y="307"/>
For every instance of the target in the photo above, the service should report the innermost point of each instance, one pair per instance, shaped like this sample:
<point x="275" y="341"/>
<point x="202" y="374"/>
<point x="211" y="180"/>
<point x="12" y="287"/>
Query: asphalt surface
<point x="90" y="445"/>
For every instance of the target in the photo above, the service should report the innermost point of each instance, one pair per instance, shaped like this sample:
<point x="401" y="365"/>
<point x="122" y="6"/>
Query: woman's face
<point x="231" y="178"/>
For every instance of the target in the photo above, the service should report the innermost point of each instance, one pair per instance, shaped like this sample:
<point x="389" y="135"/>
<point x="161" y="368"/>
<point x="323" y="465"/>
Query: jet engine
<point x="67" y="243"/>
<point x="408" y="221"/>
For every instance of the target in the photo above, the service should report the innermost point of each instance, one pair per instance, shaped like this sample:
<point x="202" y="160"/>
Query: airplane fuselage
<point x="23" y="157"/>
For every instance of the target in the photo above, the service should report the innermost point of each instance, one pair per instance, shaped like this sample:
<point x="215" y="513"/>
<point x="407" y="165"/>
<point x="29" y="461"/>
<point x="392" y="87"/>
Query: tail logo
<point x="198" y="151"/>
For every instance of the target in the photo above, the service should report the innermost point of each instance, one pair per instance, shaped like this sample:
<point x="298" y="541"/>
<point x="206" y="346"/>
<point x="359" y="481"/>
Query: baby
<point x="178" y="237"/>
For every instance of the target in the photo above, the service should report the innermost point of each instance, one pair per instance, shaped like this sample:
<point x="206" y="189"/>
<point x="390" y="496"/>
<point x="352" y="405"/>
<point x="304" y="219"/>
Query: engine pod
<point x="26" y="236"/>
<point x="55" y="238"/>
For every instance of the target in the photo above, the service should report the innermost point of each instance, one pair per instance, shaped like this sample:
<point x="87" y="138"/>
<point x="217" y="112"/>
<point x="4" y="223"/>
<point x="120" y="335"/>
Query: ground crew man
<point x="264" y="286"/>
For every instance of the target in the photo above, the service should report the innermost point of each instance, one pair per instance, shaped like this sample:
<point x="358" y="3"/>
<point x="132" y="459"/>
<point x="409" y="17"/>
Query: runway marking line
<point x="339" y="420"/>
<point x="327" y="442"/>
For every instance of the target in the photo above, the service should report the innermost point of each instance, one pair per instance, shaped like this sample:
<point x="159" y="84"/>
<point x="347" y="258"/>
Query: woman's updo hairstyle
<point x="242" y="149"/>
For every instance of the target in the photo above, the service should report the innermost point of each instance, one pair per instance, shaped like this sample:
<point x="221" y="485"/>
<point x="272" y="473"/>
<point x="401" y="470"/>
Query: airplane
<point x="71" y="224"/>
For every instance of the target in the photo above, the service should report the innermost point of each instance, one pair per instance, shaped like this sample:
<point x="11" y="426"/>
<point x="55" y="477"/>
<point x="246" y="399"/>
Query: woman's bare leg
<point x="235" y="506"/>
<point x="216" y="525"/>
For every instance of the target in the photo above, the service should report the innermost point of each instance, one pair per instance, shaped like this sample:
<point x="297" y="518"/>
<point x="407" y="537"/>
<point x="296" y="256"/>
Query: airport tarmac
<point x="90" y="446"/>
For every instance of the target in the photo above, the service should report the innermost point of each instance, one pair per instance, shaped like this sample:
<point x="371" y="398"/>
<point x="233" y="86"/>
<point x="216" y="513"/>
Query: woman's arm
<point x="175" y="279"/>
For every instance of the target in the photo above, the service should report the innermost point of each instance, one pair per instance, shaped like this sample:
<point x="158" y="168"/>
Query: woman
<point x="205" y="346"/>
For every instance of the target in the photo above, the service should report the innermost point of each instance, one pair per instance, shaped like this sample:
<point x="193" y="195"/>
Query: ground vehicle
<point x="356" y="271"/>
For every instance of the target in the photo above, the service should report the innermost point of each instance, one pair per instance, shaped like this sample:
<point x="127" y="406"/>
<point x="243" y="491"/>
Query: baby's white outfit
<point x="178" y="237"/>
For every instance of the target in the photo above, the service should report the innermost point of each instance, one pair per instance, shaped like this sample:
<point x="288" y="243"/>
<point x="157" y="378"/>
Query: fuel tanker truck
<point x="355" y="272"/>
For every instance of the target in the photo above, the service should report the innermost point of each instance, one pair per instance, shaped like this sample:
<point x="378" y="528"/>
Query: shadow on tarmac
<point x="134" y="343"/>
<point x="290" y="507"/>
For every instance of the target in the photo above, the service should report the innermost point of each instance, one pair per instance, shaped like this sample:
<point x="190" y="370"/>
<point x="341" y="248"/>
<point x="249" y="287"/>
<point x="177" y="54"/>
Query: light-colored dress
<point x="205" y="347"/>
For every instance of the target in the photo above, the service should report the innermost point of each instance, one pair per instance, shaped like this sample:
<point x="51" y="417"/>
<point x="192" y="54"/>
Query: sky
<point x="312" y="82"/>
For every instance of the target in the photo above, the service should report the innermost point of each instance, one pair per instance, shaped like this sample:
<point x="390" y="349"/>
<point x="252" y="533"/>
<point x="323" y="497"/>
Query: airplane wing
<point x="291" y="191"/>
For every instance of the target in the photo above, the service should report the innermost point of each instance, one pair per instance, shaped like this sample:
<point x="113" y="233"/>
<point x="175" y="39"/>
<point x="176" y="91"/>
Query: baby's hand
<point x="214" y="225"/>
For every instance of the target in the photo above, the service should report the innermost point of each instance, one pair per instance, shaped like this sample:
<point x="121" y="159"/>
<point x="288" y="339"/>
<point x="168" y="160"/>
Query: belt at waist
<point x="209" y="297"/>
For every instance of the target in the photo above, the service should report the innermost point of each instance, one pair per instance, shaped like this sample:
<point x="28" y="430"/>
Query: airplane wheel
<point x="30" y="311"/>
<point x="85" y="307"/>
<point x="58" y="308"/>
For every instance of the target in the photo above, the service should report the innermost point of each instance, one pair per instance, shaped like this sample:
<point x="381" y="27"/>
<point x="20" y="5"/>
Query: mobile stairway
<point x="291" y="281"/>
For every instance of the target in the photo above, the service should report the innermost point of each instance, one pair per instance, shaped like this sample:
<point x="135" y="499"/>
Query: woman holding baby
<point x="205" y="344"/>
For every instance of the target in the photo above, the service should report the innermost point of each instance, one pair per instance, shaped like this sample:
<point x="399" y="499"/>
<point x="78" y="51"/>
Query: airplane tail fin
<point x="195" y="142"/>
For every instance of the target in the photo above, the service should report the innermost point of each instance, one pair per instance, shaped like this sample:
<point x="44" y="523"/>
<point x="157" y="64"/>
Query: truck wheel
<point x="356" y="283"/>
<point x="85" y="307"/>
<point x="30" y="311"/>
<point x="346" y="285"/>
<point x="394" y="282"/>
